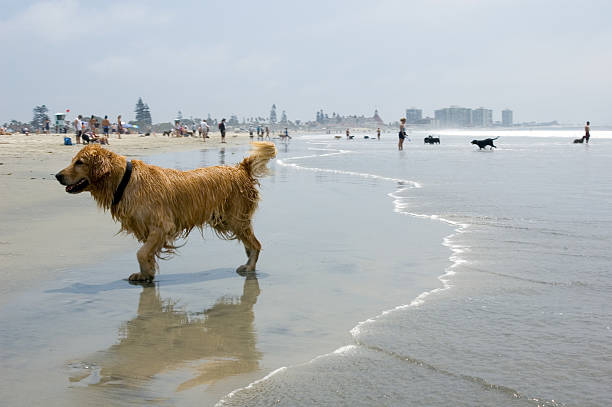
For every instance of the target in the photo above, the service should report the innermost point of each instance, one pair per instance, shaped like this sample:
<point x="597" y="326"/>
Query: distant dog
<point x="579" y="140"/>
<point x="159" y="205"/>
<point x="486" y="142"/>
<point x="431" y="140"/>
<point x="167" y="133"/>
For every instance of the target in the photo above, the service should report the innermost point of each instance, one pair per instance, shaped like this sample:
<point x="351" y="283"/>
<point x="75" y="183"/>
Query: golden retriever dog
<point x="159" y="205"/>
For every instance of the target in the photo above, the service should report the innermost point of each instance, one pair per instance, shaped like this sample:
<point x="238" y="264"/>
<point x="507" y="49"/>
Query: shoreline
<point x="45" y="231"/>
<point x="315" y="284"/>
<point x="343" y="275"/>
<point x="442" y="283"/>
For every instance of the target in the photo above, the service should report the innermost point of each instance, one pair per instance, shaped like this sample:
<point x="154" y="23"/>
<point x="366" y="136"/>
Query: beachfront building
<point x="413" y="115"/>
<point x="453" y="116"/>
<point x="426" y="121"/>
<point x="338" y="121"/>
<point x="482" y="117"/>
<point x="507" y="119"/>
<point x="376" y="120"/>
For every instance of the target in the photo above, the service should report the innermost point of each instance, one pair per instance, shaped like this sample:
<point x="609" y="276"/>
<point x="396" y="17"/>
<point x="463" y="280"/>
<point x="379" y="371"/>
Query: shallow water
<point x="356" y="301"/>
<point x="334" y="253"/>
<point x="526" y="320"/>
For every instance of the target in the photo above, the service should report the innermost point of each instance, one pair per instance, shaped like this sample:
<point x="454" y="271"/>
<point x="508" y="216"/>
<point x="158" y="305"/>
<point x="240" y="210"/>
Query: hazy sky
<point x="546" y="60"/>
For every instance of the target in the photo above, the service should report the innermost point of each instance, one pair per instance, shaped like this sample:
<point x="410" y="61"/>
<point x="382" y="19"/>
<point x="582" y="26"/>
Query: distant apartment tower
<point x="454" y="116"/>
<point x="482" y="117"/>
<point x="413" y="115"/>
<point x="507" y="117"/>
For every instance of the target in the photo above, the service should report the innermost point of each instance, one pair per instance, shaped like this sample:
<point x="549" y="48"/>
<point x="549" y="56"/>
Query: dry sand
<point x="43" y="229"/>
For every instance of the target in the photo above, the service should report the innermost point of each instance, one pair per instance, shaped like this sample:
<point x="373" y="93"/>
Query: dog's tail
<point x="495" y="138"/>
<point x="256" y="164"/>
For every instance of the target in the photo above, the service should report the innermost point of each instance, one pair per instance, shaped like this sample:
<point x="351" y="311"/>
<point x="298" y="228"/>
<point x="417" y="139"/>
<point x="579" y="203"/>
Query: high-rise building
<point x="413" y="115"/>
<point x="507" y="119"/>
<point x="454" y="116"/>
<point x="482" y="117"/>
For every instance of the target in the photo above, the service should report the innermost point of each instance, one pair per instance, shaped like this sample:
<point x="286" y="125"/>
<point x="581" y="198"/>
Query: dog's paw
<point x="245" y="269"/>
<point x="140" y="277"/>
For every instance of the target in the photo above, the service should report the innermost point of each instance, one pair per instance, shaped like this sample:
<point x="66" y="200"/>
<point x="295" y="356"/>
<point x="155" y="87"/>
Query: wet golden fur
<point x="160" y="205"/>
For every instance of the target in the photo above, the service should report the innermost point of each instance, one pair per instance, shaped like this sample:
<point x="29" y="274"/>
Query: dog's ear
<point x="99" y="165"/>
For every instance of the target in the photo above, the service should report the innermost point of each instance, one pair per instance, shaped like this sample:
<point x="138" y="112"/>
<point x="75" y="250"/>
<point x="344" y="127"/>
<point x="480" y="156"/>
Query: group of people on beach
<point x="86" y="130"/>
<point x="349" y="137"/>
<point x="182" y="129"/>
<point x="201" y="129"/>
<point x="260" y="132"/>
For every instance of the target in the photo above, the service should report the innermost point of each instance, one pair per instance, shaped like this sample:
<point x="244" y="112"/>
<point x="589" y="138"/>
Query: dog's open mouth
<point x="77" y="187"/>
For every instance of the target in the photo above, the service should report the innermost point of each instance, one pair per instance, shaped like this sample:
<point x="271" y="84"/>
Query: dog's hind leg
<point x="146" y="256"/>
<point x="252" y="248"/>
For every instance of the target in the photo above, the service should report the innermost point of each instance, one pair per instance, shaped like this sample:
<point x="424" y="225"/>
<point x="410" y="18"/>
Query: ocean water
<point x="522" y="314"/>
<point x="437" y="276"/>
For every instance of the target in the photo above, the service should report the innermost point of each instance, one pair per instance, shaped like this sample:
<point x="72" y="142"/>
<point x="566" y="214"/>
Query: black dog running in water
<point x="431" y="140"/>
<point x="486" y="142"/>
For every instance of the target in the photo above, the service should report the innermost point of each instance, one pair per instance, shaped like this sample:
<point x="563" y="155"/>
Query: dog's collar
<point x="124" y="181"/>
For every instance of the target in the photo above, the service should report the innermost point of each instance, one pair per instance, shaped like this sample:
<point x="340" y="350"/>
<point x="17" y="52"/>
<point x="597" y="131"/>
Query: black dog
<point x="486" y="142"/>
<point x="431" y="140"/>
<point x="579" y="141"/>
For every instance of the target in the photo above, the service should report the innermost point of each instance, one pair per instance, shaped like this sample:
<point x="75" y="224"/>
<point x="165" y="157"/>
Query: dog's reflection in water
<point x="164" y="337"/>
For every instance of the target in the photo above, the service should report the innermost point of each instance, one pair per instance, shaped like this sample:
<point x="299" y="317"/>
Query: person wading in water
<point x="402" y="134"/>
<point x="587" y="132"/>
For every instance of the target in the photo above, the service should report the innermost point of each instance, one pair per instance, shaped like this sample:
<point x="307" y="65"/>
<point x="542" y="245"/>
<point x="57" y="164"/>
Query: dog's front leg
<point x="252" y="248"/>
<point x="146" y="256"/>
<point x="249" y="267"/>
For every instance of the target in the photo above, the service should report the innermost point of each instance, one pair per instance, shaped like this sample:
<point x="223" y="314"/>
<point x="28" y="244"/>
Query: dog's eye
<point x="78" y="162"/>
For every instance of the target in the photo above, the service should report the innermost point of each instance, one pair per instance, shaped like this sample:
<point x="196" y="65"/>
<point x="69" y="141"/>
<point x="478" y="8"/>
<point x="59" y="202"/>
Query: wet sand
<point x="45" y="231"/>
<point x="335" y="253"/>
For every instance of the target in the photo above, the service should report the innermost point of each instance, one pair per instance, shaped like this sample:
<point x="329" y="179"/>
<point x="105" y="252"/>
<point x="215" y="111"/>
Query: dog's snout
<point x="60" y="177"/>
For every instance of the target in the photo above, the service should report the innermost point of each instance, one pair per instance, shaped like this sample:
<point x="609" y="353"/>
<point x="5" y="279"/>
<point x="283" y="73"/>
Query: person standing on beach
<point x="92" y="125"/>
<point x="119" y="126"/>
<point x="587" y="132"/>
<point x="106" y="126"/>
<point x="46" y="126"/>
<point x="378" y="133"/>
<point x="78" y="131"/>
<point x="402" y="134"/>
<point x="267" y="132"/>
<point x="222" y="130"/>
<point x="204" y="128"/>
<point x="348" y="134"/>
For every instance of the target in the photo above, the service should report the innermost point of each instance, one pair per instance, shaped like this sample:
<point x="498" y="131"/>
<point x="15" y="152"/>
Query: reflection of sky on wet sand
<point x="163" y="336"/>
